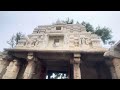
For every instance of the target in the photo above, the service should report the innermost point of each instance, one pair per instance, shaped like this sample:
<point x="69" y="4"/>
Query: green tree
<point x="88" y="26"/>
<point x="18" y="36"/>
<point x="11" y="42"/>
<point x="14" y="39"/>
<point x="104" y="33"/>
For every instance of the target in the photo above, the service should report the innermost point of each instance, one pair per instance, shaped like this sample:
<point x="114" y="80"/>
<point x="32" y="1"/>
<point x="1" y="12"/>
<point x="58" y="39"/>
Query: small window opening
<point x="58" y="28"/>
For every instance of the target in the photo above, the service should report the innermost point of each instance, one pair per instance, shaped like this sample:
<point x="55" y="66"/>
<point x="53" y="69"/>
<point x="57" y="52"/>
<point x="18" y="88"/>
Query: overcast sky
<point x="25" y="21"/>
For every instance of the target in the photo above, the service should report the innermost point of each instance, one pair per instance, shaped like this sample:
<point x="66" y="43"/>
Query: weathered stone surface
<point x="113" y="72"/>
<point x="88" y="71"/>
<point x="21" y="71"/>
<point x="29" y="71"/>
<point x="112" y="68"/>
<point x="112" y="52"/>
<point x="6" y="56"/>
<point x="30" y="68"/>
<point x="30" y="56"/>
<point x="77" y="74"/>
<point x="77" y="55"/>
<point x="3" y="66"/>
<point x="76" y="60"/>
<point x="12" y="70"/>
<point x="116" y="63"/>
<point x="76" y="66"/>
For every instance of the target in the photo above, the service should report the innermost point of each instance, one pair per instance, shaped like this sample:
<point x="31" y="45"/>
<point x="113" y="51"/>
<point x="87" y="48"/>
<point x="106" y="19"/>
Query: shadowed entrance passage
<point x="56" y="75"/>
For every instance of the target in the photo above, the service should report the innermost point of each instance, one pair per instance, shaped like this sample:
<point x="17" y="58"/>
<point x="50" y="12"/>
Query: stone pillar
<point x="12" y="70"/>
<point x="112" y="69"/>
<point x="76" y="66"/>
<point x="3" y="66"/>
<point x="116" y="63"/>
<point x="30" y="68"/>
<point x="4" y="62"/>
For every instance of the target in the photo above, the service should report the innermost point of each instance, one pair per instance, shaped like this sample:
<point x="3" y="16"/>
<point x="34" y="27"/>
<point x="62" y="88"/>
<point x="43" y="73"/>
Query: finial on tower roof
<point x="58" y="22"/>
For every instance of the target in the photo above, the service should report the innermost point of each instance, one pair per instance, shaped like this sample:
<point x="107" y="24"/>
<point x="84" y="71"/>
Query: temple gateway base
<point x="36" y="65"/>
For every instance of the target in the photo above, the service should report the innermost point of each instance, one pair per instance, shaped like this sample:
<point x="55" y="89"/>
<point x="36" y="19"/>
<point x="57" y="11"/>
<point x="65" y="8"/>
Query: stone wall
<point x="88" y="71"/>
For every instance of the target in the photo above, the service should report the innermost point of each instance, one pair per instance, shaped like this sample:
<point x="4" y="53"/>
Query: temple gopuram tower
<point x="60" y="47"/>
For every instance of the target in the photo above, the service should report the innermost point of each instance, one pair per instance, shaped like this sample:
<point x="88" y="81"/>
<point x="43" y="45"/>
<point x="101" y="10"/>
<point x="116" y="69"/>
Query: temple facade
<point x="60" y="47"/>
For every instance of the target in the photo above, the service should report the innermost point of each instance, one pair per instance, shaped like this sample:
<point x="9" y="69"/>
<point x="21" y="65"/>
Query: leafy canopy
<point x="14" y="39"/>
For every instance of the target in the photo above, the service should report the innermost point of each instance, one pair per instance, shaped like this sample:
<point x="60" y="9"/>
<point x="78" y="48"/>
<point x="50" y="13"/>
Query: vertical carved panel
<point x="77" y="74"/>
<point x="3" y="66"/>
<point x="29" y="71"/>
<point x="76" y="66"/>
<point x="12" y="70"/>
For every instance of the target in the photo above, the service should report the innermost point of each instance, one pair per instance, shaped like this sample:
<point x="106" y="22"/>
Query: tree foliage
<point x="14" y="39"/>
<point x="11" y="42"/>
<point x="89" y="27"/>
<point x="18" y="36"/>
<point x="104" y="33"/>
